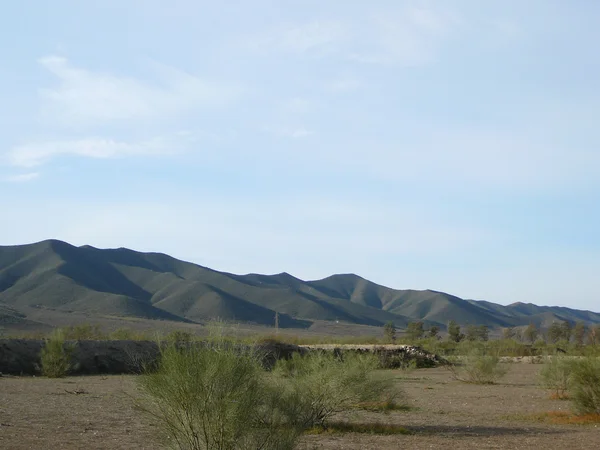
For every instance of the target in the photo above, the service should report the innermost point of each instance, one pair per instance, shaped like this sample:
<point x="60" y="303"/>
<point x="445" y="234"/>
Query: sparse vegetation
<point x="584" y="386"/>
<point x="555" y="375"/>
<point x="478" y="367"/>
<point x="84" y="331"/>
<point x="55" y="356"/>
<point x="389" y="332"/>
<point x="531" y="333"/>
<point x="415" y="330"/>
<point x="319" y="385"/>
<point x="454" y="333"/>
<point x="217" y="397"/>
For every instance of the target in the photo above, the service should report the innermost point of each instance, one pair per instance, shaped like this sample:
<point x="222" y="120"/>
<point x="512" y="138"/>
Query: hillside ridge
<point x="122" y="282"/>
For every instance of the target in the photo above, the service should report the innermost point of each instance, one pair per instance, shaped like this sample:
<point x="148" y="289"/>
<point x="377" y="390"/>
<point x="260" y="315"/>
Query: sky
<point x="449" y="145"/>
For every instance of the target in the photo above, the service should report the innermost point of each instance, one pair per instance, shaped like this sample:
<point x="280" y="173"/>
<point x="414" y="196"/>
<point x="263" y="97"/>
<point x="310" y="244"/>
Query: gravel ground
<point x="97" y="412"/>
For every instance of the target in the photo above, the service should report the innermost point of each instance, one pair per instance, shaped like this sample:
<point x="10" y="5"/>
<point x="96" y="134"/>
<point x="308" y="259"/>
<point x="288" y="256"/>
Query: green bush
<point x="478" y="368"/>
<point x="216" y="396"/>
<point x="180" y="337"/>
<point x="556" y="374"/>
<point x="318" y="385"/>
<point x="584" y="386"/>
<point x="82" y="332"/>
<point x="55" y="356"/>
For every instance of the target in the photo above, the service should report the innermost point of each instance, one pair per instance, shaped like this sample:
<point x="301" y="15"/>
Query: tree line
<point x="578" y="333"/>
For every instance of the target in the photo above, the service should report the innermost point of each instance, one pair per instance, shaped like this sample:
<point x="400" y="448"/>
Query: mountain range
<point x="54" y="275"/>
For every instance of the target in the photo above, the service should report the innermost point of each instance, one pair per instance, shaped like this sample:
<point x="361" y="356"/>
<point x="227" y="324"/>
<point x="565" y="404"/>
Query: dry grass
<point x="561" y="395"/>
<point x="567" y="418"/>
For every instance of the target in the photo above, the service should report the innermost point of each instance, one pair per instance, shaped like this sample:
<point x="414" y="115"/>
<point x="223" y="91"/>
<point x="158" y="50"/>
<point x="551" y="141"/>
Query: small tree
<point x="56" y="355"/>
<point x="594" y="335"/>
<point x="471" y="334"/>
<point x="389" y="331"/>
<point x="434" y="332"/>
<point x="454" y="333"/>
<point x="555" y="332"/>
<point x="579" y="333"/>
<point x="483" y="333"/>
<point x="415" y="330"/>
<point x="531" y="333"/>
<point x="508" y="333"/>
<point x="477" y="333"/>
<point x="566" y="331"/>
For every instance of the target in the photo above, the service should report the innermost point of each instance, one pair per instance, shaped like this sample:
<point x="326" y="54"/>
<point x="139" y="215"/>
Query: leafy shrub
<point x="82" y="332"/>
<point x="478" y="368"/>
<point x="216" y="397"/>
<point x="180" y="337"/>
<point x="56" y="355"/>
<point x="318" y="385"/>
<point x="584" y="386"/>
<point x="555" y="375"/>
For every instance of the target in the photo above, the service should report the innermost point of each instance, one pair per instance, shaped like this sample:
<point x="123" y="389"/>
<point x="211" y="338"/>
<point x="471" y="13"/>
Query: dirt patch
<point x="97" y="412"/>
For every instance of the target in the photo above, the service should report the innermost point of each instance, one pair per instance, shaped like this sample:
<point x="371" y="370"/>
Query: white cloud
<point x="290" y="132"/>
<point x="317" y="35"/>
<point x="21" y="178"/>
<point x="38" y="153"/>
<point x="86" y="97"/>
<point x="297" y="105"/>
<point x="344" y="85"/>
<point x="410" y="37"/>
<point x="406" y="35"/>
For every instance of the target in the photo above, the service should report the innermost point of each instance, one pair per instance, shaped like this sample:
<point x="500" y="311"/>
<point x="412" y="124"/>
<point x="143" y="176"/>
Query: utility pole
<point x="276" y="322"/>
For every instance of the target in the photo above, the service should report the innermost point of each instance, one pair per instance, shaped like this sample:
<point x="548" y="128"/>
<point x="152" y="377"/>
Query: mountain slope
<point x="122" y="282"/>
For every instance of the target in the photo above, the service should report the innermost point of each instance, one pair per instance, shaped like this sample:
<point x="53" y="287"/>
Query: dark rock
<point x="22" y="356"/>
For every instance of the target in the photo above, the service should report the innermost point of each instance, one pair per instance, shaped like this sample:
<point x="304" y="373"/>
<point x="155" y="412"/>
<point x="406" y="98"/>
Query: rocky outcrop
<point x="22" y="356"/>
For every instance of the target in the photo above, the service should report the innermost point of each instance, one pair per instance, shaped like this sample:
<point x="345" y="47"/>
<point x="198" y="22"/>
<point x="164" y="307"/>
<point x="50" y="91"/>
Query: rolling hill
<point x="57" y="276"/>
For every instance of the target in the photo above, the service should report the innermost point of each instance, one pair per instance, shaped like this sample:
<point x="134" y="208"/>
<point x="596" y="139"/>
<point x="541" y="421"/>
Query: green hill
<point x="121" y="282"/>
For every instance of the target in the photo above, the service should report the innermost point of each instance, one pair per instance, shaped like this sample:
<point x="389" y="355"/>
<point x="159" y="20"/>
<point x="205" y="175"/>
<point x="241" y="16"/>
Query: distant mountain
<point x="121" y="282"/>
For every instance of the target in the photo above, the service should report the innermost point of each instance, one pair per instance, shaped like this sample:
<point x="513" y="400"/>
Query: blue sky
<point x="450" y="145"/>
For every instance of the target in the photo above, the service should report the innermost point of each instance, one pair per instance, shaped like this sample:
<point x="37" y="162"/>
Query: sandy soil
<point x="98" y="413"/>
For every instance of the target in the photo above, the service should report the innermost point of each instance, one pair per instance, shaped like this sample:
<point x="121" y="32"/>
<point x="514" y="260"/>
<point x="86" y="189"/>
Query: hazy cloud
<point x="86" y="97"/>
<point x="38" y="153"/>
<point x="21" y="178"/>
<point x="409" y="37"/>
<point x="317" y="35"/>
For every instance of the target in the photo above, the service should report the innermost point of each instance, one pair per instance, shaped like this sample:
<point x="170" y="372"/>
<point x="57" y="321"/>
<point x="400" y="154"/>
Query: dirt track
<point x="97" y="413"/>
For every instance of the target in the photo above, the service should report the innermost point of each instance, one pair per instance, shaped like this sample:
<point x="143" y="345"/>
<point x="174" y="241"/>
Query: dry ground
<point x="97" y="413"/>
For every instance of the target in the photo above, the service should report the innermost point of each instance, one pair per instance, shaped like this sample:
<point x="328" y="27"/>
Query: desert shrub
<point x="55" y="356"/>
<point x="318" y="385"/>
<point x="216" y="397"/>
<point x="84" y="331"/>
<point x="555" y="375"/>
<point x="584" y="386"/>
<point x="478" y="367"/>
<point x="122" y="334"/>
<point x="180" y="337"/>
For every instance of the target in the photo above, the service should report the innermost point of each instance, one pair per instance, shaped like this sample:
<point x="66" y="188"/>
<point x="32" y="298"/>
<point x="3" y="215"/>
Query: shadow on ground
<point x="465" y="431"/>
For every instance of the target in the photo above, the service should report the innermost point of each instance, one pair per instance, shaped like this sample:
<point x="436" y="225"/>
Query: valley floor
<point x="97" y="413"/>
